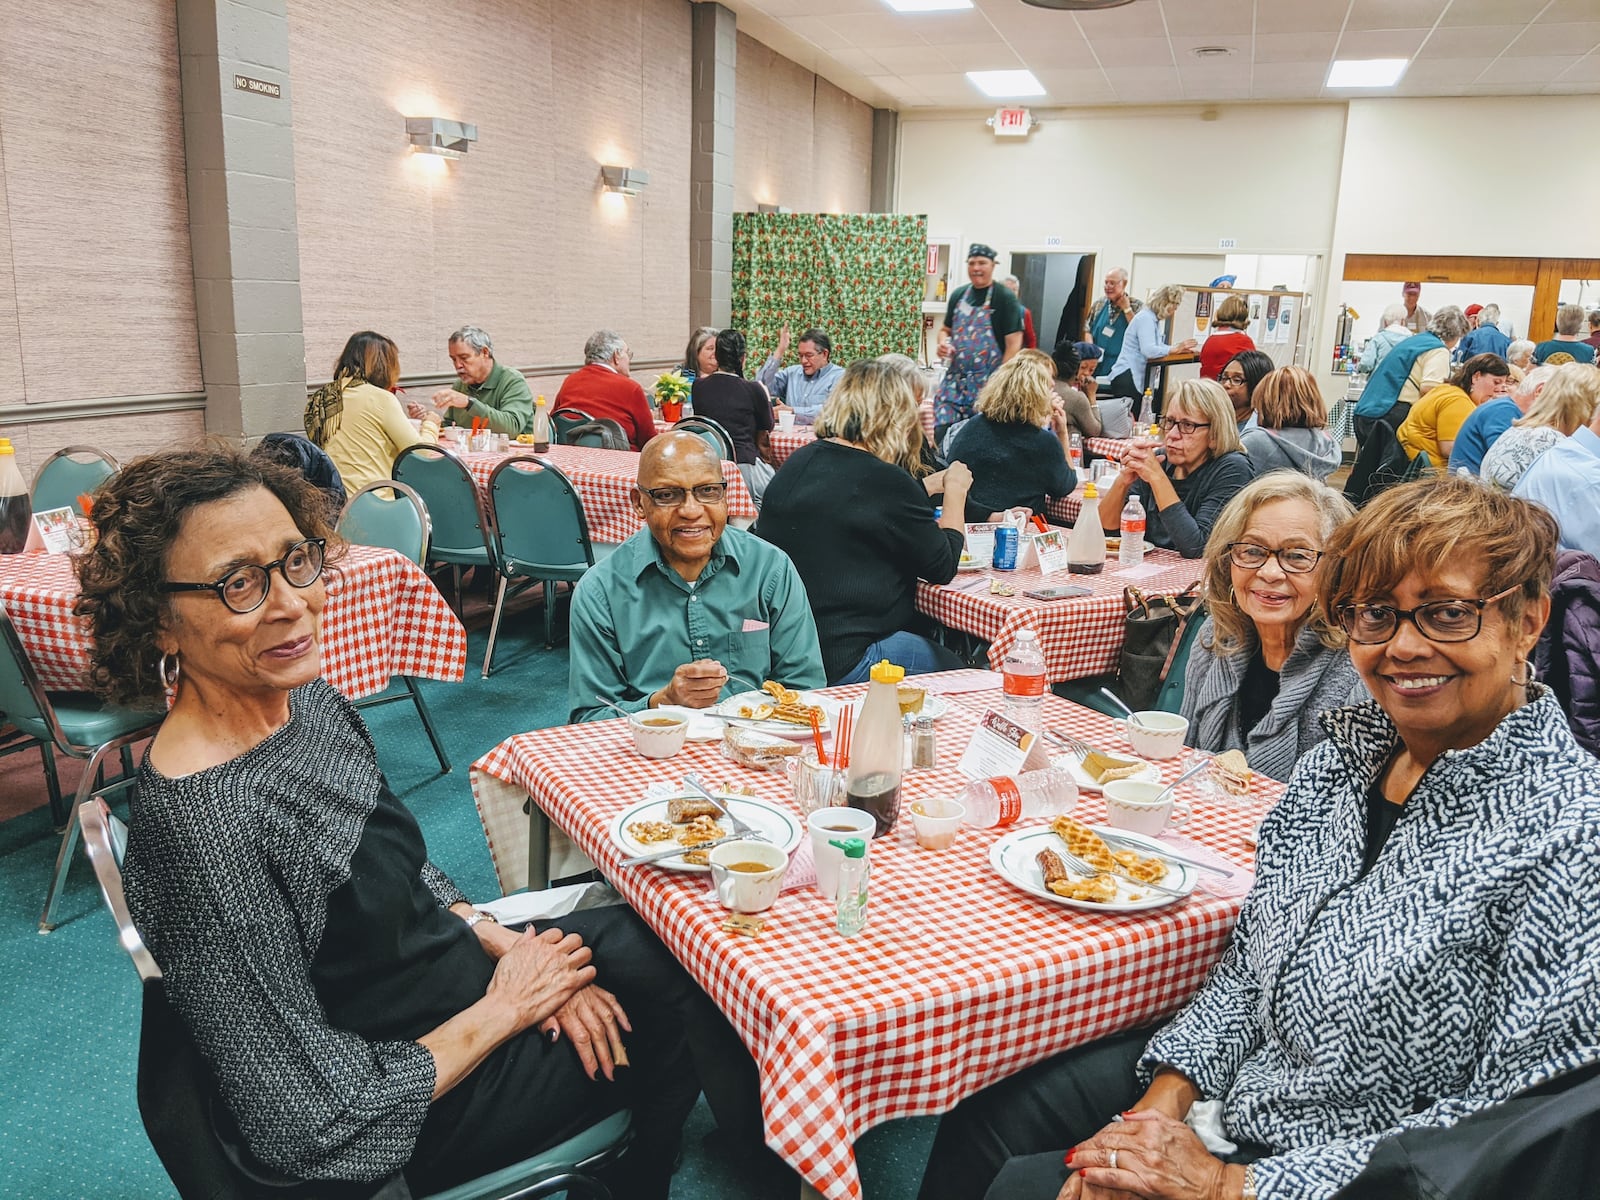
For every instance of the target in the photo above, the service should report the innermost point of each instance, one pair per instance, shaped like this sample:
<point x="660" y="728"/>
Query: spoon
<point x="613" y="706"/>
<point x="1190" y="773"/>
<point x="1133" y="717"/>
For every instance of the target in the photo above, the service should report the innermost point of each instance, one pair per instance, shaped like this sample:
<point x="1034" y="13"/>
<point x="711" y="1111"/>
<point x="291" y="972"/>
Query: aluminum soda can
<point x="1005" y="548"/>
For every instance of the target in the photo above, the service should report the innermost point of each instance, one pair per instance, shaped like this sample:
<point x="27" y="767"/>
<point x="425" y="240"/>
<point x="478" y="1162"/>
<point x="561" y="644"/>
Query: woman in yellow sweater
<point x="357" y="419"/>
<point x="1434" y="420"/>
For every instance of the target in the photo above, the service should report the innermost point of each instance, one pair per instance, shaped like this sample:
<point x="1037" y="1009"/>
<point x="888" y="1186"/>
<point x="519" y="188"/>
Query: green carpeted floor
<point x="69" y="1127"/>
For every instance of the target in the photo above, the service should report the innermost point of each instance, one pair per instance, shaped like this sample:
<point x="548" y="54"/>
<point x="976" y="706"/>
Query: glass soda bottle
<point x="877" y="753"/>
<point x="16" y="510"/>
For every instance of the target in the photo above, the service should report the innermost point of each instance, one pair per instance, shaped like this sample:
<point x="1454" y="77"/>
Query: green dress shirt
<point x="503" y="398"/>
<point x="635" y="621"/>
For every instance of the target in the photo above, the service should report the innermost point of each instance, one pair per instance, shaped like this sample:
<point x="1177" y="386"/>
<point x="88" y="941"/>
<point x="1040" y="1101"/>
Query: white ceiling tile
<point x="1394" y="14"/>
<point x="944" y="85"/>
<point x="1385" y="43"/>
<point x="1442" y="73"/>
<point x="1307" y="77"/>
<point x="1586" y="70"/>
<point x="1302" y="16"/>
<point x="817" y="8"/>
<point x="910" y="60"/>
<point x="1527" y="70"/>
<point x="1295" y="47"/>
<point x="1561" y="11"/>
<point x="817" y="30"/>
<point x="1147" y="81"/>
<point x="1065" y="86"/>
<point x="868" y="30"/>
<point x="1218" y="93"/>
<point x="1020" y="20"/>
<point x="1573" y="38"/>
<point x="1140" y="19"/>
<point x="1564" y="88"/>
<point x="1209" y="18"/>
<point x="941" y="29"/>
<point x="1470" y="41"/>
<point x="1490" y="12"/>
<point x="996" y="56"/>
<point x="1056" y="52"/>
<point x="857" y="60"/>
<point x="1131" y="52"/>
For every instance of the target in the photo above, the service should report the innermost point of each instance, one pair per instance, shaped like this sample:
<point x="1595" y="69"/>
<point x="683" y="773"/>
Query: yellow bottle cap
<point x="541" y="400"/>
<point x="6" y="447"/>
<point x="1089" y="492"/>
<point x="1155" y="431"/>
<point x="885" y="671"/>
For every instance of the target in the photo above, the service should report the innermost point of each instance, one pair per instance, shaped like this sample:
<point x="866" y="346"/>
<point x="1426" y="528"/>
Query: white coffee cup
<point x="1155" y="734"/>
<point x="1131" y="804"/>
<point x="829" y="825"/>
<point x="658" y="734"/>
<point x="747" y="891"/>
<point x="786" y="420"/>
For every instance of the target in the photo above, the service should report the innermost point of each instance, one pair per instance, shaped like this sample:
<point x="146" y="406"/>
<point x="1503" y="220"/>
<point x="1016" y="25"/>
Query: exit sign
<point x="1011" y="122"/>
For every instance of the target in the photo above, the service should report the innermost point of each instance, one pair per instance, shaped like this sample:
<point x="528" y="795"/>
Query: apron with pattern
<point x="976" y="357"/>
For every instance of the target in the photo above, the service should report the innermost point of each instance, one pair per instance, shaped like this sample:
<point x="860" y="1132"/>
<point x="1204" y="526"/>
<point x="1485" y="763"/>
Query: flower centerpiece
<point x="670" y="392"/>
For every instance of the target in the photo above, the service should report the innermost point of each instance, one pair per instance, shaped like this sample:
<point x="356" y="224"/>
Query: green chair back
<point x="71" y="472"/>
<point x="388" y="514"/>
<point x="602" y="434"/>
<point x="1170" y="697"/>
<point x="539" y="527"/>
<point x="565" y="419"/>
<point x="713" y="434"/>
<point x="21" y="698"/>
<point x="461" y="529"/>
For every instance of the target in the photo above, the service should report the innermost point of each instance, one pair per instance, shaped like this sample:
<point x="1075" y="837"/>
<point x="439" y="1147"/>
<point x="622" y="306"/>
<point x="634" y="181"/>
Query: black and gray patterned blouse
<point x="228" y="874"/>
<point x="1464" y="967"/>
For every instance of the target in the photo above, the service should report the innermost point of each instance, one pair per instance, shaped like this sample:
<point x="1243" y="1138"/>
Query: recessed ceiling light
<point x="927" y="5"/>
<point x="1006" y="85"/>
<point x="1367" y="72"/>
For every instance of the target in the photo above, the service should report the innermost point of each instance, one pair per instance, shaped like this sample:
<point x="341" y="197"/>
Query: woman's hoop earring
<point x="169" y="679"/>
<point x="1530" y="676"/>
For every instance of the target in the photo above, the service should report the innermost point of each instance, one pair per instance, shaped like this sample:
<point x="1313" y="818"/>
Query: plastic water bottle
<point x="1132" y="552"/>
<point x="1004" y="800"/>
<point x="1075" y="453"/>
<point x="1023" y="675"/>
<point x="850" y="901"/>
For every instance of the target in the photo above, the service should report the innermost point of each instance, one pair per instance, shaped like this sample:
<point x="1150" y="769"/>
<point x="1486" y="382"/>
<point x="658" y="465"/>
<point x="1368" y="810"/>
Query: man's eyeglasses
<point x="1227" y="379"/>
<point x="244" y="589"/>
<point x="705" y="493"/>
<point x="1297" y="560"/>
<point x="1186" y="428"/>
<point x="1440" y="621"/>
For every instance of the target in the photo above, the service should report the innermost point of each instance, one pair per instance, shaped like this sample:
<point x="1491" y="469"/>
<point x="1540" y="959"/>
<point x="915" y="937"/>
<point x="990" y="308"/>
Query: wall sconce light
<point x="630" y="181"/>
<point x="772" y="208"/>
<point x="435" y="135"/>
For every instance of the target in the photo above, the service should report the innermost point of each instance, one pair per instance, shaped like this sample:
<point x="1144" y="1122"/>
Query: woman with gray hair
<point x="1393" y="332"/>
<point x="1565" y="403"/>
<point x="1143" y="342"/>
<point x="1568" y="338"/>
<point x="1520" y="355"/>
<point x="1410" y="371"/>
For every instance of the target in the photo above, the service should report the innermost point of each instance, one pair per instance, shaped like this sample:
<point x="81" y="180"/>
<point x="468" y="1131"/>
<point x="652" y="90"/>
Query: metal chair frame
<point x="704" y="425"/>
<point x="69" y="452"/>
<point x="563" y="419"/>
<point x="485" y="515"/>
<point x="612" y="435"/>
<point x="408" y="686"/>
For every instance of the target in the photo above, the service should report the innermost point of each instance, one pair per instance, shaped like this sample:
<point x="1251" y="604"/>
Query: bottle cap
<point x="6" y="447"/>
<point x="1090" y="492"/>
<point x="1028" y="634"/>
<point x="852" y="847"/>
<point x="885" y="671"/>
<point x="541" y="400"/>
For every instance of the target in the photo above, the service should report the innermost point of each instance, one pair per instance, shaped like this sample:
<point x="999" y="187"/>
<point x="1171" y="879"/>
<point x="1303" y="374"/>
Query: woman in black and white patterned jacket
<point x="1420" y="941"/>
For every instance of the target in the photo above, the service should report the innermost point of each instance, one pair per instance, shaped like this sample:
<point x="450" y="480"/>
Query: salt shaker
<point x="924" y="745"/>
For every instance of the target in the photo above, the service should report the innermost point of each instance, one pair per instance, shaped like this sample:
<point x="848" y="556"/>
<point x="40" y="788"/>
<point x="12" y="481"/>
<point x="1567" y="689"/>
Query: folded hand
<point x="540" y="974"/>
<point x="593" y="1021"/>
<point x="1157" y="1158"/>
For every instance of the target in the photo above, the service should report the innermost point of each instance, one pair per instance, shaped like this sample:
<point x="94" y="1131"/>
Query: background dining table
<point x="605" y="480"/>
<point x="959" y="979"/>
<point x="383" y="617"/>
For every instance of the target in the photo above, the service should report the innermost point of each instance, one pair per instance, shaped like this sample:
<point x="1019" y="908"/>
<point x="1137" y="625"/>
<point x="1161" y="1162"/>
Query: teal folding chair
<point x="78" y="726"/>
<point x="1169" y="697"/>
<point x="540" y="536"/>
<point x="602" y="433"/>
<point x="713" y="434"/>
<point x="564" y="419"/>
<point x="176" y="1094"/>
<point x="392" y="515"/>
<point x="461" y="523"/>
<point x="71" y="472"/>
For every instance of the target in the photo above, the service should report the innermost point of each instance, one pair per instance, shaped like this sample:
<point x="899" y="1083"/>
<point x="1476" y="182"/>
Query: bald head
<point x="685" y="525"/>
<point x="675" y="451"/>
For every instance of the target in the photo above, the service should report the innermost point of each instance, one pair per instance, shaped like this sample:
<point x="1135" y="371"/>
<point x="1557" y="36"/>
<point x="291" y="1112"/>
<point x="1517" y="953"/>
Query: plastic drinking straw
<point x="816" y="736"/>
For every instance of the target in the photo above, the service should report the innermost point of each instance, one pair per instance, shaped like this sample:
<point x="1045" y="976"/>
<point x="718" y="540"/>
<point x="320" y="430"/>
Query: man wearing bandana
<point x="982" y="328"/>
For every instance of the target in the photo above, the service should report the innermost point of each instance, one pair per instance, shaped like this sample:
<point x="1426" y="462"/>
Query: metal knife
<point x="676" y="851"/>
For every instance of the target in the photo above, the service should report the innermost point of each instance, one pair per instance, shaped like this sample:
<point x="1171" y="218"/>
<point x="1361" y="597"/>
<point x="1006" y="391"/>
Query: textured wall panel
<point x="125" y="437"/>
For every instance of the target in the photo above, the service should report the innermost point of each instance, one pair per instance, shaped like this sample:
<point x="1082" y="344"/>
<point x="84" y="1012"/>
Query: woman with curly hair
<point x="357" y="420"/>
<point x="850" y="511"/>
<point x="360" y="1019"/>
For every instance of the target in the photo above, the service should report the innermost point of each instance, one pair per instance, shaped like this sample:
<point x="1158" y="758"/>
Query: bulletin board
<point x="1279" y="324"/>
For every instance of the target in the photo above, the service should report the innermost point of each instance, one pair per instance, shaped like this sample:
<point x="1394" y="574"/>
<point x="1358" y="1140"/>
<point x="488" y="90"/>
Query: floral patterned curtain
<point x="859" y="276"/>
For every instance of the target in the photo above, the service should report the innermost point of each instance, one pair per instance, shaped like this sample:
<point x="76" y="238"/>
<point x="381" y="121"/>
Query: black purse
<point x="1153" y="630"/>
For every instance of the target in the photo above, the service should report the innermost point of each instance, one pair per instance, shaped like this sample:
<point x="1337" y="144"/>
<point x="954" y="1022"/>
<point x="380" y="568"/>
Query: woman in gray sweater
<point x="1291" y="429"/>
<point x="1268" y="660"/>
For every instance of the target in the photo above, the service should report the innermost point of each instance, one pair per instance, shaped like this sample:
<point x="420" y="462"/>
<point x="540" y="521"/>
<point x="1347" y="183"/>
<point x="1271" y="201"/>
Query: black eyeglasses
<point x="706" y="493"/>
<point x="1230" y="379"/>
<point x="1297" y="560"/>
<point x="1186" y="428"/>
<point x="1441" y="621"/>
<point x="244" y="589"/>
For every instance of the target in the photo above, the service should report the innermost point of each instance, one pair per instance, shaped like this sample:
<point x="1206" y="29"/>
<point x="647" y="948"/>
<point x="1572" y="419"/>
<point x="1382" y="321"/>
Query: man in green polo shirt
<point x="486" y="389"/>
<point x="687" y="611"/>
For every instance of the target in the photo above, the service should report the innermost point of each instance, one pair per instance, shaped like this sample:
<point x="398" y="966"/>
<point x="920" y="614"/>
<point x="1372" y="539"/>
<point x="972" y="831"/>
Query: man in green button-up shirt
<point x="487" y="388"/>
<point x="687" y="611"/>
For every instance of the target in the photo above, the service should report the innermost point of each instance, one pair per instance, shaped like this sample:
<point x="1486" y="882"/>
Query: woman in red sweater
<point x="1232" y="315"/>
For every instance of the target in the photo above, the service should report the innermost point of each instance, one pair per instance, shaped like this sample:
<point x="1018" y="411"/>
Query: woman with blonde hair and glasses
<point x="1016" y="445"/>
<point x="1184" y="492"/>
<point x="1268" y="660"/>
<point x="1566" y="403"/>
<point x="853" y="515"/>
<point x="357" y="420"/>
<point x="1291" y="426"/>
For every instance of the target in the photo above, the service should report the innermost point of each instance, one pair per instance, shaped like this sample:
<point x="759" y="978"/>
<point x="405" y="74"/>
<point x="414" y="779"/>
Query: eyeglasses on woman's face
<point x="672" y="497"/>
<point x="1185" y="428"/>
<point x="244" y="589"/>
<point x="1231" y="379"/>
<point x="1296" y="560"/>
<point x="1441" y="621"/>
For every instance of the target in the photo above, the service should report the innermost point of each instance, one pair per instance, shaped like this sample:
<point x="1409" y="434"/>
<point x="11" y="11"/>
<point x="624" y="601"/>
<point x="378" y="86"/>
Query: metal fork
<point x="1067" y="742"/>
<point x="742" y="828"/>
<point x="1078" y="866"/>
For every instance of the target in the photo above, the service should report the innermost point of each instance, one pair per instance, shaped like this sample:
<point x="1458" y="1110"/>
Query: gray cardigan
<point x="1313" y="679"/>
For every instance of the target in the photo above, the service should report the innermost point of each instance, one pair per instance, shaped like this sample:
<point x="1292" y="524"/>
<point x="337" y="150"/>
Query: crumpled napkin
<point x="1215" y="885"/>
<point x="1205" y="1118"/>
<point x="521" y="907"/>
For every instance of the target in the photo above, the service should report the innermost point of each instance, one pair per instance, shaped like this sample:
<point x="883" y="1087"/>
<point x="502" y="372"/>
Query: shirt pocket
<point x="749" y="656"/>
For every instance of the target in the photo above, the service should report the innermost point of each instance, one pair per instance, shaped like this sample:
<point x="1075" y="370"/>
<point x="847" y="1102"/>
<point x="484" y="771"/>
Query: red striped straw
<point x="816" y="736"/>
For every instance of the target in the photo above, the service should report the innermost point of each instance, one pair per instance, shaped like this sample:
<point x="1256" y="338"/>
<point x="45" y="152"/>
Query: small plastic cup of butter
<point x="937" y="821"/>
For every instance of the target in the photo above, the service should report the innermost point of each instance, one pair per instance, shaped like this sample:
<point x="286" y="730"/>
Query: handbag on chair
<point x="1153" y="631"/>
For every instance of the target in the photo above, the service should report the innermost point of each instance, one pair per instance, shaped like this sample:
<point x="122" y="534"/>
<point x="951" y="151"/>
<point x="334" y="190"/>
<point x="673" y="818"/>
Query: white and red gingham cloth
<point x="784" y="441"/>
<point x="604" y="479"/>
<point x="383" y="617"/>
<point x="1081" y="636"/>
<point x="1112" y="448"/>
<point x="958" y="980"/>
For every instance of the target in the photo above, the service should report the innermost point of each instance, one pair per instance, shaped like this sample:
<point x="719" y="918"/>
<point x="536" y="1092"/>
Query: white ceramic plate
<point x="1086" y="783"/>
<point x="731" y="706"/>
<point x="1014" y="858"/>
<point x="968" y="563"/>
<point x="933" y="707"/>
<point x="782" y="830"/>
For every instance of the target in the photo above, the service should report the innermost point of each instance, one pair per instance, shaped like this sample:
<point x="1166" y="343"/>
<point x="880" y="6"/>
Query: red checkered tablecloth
<point x="784" y="442"/>
<point x="959" y="979"/>
<point x="383" y="618"/>
<point x="1112" y="448"/>
<point x="925" y="415"/>
<point x="604" y="479"/>
<point x="1082" y="636"/>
